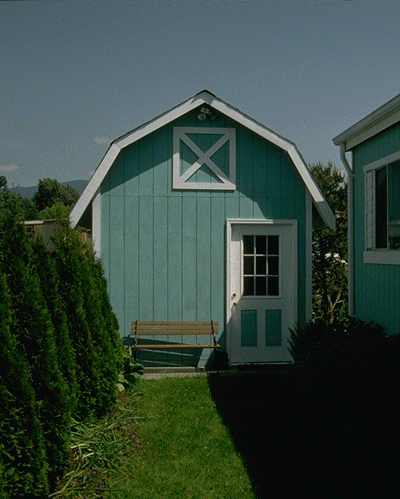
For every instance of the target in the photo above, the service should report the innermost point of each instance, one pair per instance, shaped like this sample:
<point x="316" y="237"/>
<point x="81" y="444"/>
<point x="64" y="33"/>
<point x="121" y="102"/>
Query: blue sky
<point x="76" y="75"/>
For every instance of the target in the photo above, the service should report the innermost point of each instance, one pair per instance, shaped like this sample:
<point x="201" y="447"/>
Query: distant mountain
<point x="28" y="192"/>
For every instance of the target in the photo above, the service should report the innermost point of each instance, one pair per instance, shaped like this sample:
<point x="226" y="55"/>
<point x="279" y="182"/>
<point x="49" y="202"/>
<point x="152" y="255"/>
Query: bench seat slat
<point x="172" y="327"/>
<point x="171" y="346"/>
<point x="157" y="323"/>
<point x="174" y="333"/>
<point x="179" y="330"/>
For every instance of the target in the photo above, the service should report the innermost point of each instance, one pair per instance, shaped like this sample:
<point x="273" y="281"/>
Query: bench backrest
<point x="174" y="327"/>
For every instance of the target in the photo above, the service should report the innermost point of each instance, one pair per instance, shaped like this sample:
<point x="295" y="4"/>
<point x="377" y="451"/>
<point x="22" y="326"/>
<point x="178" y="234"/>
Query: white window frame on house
<point x="379" y="251"/>
<point x="182" y="181"/>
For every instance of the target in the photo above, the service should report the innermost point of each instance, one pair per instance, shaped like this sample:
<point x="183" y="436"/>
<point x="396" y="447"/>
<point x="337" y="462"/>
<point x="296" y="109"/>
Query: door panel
<point x="261" y="290"/>
<point x="248" y="333"/>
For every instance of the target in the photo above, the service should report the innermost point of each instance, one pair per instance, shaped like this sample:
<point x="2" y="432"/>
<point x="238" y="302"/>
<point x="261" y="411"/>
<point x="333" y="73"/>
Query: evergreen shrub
<point x="69" y="258"/>
<point x="32" y="328"/>
<point x="23" y="463"/>
<point x="50" y="281"/>
<point x="60" y="352"/>
<point x="93" y="326"/>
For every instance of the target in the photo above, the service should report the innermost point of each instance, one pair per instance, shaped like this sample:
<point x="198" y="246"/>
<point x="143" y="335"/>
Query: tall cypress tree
<point x="92" y="324"/>
<point x="32" y="328"/>
<point x="72" y="275"/>
<point x="49" y="279"/>
<point x="110" y="318"/>
<point x="22" y="449"/>
<point x="104" y="330"/>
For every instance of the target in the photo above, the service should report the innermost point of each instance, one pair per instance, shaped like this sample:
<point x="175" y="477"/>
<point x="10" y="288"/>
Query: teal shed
<point x="374" y="215"/>
<point x="205" y="214"/>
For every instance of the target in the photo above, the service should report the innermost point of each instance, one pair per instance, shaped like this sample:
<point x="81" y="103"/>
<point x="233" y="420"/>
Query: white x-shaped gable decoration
<point x="186" y="170"/>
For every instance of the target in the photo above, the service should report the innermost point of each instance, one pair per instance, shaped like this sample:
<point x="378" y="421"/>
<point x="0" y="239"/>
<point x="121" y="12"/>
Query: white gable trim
<point x="94" y="184"/>
<point x="203" y="97"/>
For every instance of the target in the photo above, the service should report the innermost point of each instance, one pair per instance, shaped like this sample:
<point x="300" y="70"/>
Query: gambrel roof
<point x="207" y="98"/>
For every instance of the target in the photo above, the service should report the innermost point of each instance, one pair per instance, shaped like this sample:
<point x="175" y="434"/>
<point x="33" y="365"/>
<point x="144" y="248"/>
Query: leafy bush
<point x="316" y="335"/>
<point x="131" y="372"/>
<point x="329" y="255"/>
<point x="350" y="366"/>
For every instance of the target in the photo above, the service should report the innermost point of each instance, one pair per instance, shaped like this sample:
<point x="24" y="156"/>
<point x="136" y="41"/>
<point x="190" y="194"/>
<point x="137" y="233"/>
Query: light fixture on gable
<point x="204" y="113"/>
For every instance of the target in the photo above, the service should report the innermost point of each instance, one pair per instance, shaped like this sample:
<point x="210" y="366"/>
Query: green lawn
<point x="185" y="450"/>
<point x="236" y="436"/>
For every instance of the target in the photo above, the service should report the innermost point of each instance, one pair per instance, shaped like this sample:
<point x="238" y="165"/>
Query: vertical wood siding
<point x="164" y="249"/>
<point x="376" y="286"/>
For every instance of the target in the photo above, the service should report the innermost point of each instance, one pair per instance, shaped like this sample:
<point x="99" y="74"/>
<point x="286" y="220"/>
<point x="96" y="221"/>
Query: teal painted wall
<point x="376" y="286"/>
<point x="164" y="250"/>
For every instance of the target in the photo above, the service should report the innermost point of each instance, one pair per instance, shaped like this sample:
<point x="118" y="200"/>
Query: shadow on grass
<point x="300" y="446"/>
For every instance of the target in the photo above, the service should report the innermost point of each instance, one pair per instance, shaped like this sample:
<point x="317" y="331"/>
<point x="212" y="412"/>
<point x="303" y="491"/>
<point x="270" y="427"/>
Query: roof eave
<point x="383" y="117"/>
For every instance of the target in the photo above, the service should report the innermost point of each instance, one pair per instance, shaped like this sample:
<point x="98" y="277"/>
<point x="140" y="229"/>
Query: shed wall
<point x="164" y="250"/>
<point x="376" y="286"/>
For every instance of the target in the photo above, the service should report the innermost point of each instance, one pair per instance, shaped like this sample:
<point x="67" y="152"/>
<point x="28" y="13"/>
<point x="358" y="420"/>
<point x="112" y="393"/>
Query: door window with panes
<point x="260" y="265"/>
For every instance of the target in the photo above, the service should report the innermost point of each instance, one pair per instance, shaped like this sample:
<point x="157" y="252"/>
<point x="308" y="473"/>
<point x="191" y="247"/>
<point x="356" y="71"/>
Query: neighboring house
<point x="203" y="213"/>
<point x="45" y="228"/>
<point x="374" y="215"/>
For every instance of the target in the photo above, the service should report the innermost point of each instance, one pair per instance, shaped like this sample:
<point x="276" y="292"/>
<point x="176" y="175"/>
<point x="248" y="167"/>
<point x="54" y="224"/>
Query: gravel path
<point x="158" y="373"/>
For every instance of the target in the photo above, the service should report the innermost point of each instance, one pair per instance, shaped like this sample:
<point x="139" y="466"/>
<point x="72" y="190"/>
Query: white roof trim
<point x="203" y="97"/>
<point x="385" y="116"/>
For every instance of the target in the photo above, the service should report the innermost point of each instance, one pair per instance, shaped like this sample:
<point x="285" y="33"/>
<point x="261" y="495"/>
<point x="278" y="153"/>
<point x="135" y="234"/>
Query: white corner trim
<point x="96" y="225"/>
<point x="179" y="181"/>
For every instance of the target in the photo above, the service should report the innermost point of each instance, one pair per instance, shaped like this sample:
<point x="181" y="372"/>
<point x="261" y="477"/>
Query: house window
<point x="382" y="207"/>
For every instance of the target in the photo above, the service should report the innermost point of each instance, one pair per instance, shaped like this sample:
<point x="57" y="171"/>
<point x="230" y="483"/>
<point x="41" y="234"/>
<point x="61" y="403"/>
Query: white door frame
<point x="230" y="223"/>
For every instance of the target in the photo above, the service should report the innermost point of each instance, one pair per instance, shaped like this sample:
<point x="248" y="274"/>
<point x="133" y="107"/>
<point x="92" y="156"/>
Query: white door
<point x="261" y="290"/>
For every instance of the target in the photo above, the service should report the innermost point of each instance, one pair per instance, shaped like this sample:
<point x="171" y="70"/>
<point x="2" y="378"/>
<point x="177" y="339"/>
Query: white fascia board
<point x="203" y="97"/>
<point x="319" y="200"/>
<point x="124" y="141"/>
<point x="94" y="184"/>
<point x="385" y="116"/>
<point x="251" y="124"/>
<point x="373" y="130"/>
<point x="320" y="203"/>
<point x="159" y="122"/>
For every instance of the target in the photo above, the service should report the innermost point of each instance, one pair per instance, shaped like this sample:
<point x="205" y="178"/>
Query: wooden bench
<point x="173" y="328"/>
